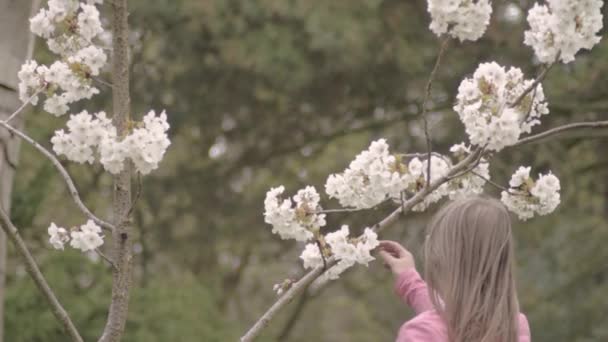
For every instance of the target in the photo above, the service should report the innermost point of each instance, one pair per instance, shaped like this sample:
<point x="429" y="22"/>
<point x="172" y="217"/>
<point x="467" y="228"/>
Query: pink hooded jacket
<point x="428" y="326"/>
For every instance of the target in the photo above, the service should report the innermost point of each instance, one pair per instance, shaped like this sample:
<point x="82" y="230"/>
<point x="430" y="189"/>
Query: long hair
<point x="469" y="267"/>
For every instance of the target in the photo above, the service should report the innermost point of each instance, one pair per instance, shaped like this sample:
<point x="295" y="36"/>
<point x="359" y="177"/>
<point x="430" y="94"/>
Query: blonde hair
<point x="469" y="267"/>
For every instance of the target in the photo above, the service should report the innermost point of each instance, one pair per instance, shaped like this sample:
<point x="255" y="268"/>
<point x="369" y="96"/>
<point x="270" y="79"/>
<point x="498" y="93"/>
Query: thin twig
<point x="534" y="85"/>
<point x="138" y="191"/>
<point x="23" y="105"/>
<point x="562" y="129"/>
<point x="500" y="187"/>
<point x="320" y="246"/>
<point x="100" y="80"/>
<point x="427" y="95"/>
<point x="66" y="176"/>
<point x="32" y="269"/>
<point x="106" y="258"/>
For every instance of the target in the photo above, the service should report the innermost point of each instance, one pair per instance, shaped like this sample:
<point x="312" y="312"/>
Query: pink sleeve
<point x="417" y="331"/>
<point x="410" y="287"/>
<point x="524" y="329"/>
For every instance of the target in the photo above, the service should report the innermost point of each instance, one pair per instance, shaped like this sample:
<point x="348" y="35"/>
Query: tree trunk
<point x="16" y="45"/>
<point x="121" y="237"/>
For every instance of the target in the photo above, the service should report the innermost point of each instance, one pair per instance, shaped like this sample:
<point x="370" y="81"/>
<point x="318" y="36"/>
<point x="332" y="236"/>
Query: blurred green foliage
<point x="269" y="92"/>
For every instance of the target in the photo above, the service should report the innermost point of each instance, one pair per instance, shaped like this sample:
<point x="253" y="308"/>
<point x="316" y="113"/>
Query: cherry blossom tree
<point x="498" y="107"/>
<point x="74" y="32"/>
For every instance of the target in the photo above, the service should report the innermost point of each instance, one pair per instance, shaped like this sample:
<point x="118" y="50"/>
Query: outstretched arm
<point x="409" y="286"/>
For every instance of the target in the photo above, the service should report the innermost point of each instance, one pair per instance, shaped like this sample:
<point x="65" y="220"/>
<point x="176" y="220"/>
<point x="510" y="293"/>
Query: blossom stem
<point x="34" y="272"/>
<point x="23" y="105"/>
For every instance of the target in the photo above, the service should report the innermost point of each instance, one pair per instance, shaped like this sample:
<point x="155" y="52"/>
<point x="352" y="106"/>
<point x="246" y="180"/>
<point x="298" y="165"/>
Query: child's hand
<point x="396" y="257"/>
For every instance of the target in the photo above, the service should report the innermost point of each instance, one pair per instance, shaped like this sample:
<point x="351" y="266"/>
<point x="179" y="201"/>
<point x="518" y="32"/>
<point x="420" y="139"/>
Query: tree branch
<point x="427" y="95"/>
<point x="63" y="172"/>
<point x="463" y="167"/>
<point x="34" y="272"/>
<point x="562" y="129"/>
<point x="122" y="240"/>
<point x="303" y="283"/>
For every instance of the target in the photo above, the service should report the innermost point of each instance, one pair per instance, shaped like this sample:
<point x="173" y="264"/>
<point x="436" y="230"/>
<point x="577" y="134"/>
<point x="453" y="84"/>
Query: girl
<point x="469" y="266"/>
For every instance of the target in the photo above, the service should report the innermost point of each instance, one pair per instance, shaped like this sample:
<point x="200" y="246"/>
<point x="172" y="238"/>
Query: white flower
<point x="88" y="238"/>
<point x="58" y="236"/>
<point x="439" y="168"/>
<point x="486" y="106"/>
<point x="462" y="19"/>
<point x="89" y="25"/>
<point x="87" y="134"/>
<point x="460" y="149"/>
<point x="563" y="27"/>
<point x="525" y="200"/>
<point x="29" y="82"/>
<point x="92" y="57"/>
<point x="41" y="25"/>
<point x="470" y="184"/>
<point x="56" y="105"/>
<point x="78" y="144"/>
<point x="293" y="222"/>
<point x="546" y="190"/>
<point x="373" y="177"/>
<point x="311" y="256"/>
<point x="347" y="253"/>
<point x="520" y="177"/>
<point x="147" y="146"/>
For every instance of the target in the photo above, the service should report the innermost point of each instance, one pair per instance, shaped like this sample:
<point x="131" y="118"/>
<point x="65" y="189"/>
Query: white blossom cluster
<point x="462" y="19"/>
<point x="525" y="197"/>
<point x="296" y="219"/>
<point x="347" y="252"/>
<point x="563" y="27"/>
<point x="87" y="237"/>
<point x="89" y="136"/>
<point x="471" y="183"/>
<point x="485" y="105"/>
<point x="69" y="28"/>
<point x="374" y="176"/>
<point x="440" y="166"/>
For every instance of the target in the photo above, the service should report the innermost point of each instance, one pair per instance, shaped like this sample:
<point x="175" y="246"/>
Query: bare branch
<point x="64" y="173"/>
<point x="427" y="95"/>
<point x="562" y="129"/>
<point x="34" y="272"/>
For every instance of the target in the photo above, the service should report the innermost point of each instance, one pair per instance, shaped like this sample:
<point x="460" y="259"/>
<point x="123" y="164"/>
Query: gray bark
<point x="16" y="45"/>
<point x="121" y="236"/>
